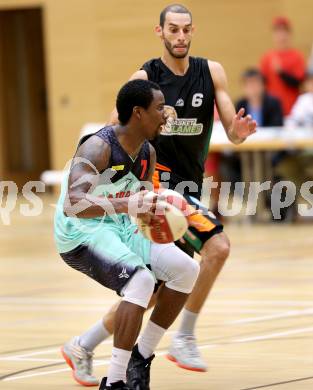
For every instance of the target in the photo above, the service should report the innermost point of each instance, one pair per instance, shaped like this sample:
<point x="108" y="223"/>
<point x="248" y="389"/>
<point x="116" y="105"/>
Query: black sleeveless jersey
<point x="120" y="162"/>
<point x="183" y="144"/>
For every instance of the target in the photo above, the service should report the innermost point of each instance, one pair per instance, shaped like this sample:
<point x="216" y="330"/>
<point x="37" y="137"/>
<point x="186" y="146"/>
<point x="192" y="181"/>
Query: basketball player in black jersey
<point x="191" y="86"/>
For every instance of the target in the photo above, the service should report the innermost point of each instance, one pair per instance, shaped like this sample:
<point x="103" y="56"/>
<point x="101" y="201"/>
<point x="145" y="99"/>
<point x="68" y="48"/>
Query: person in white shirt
<point x="297" y="166"/>
<point x="302" y="111"/>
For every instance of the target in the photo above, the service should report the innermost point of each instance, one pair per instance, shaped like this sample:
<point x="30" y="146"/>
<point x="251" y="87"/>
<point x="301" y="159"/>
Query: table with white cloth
<point x="253" y="152"/>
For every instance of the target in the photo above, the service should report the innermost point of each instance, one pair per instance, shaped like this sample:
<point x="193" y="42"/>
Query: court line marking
<point x="39" y="348"/>
<point x="274" y="335"/>
<point x="35" y="360"/>
<point x="287" y="314"/>
<point x="161" y="353"/>
<point x="99" y="309"/>
<point x="37" y="353"/>
<point x="279" y="383"/>
<point x="4" y="377"/>
<point x="24" y="356"/>
<point x="54" y="301"/>
<point x="53" y="310"/>
<point x="265" y="317"/>
<point x="293" y="313"/>
<point x="65" y="301"/>
<point x="42" y="352"/>
<point x="12" y="378"/>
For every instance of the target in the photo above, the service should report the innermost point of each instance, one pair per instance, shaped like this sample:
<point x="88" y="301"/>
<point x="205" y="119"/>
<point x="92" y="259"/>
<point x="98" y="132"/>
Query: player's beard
<point x="171" y="50"/>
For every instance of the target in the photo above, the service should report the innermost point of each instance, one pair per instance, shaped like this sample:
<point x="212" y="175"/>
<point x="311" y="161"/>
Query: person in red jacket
<point x="283" y="67"/>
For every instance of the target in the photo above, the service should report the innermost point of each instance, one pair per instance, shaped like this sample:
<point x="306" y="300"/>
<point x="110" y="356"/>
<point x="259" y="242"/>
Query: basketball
<point x="175" y="199"/>
<point x="168" y="226"/>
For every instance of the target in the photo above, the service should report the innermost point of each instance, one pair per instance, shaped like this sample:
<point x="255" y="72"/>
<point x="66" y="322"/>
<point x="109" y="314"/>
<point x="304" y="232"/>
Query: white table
<point x="254" y="165"/>
<point x="252" y="151"/>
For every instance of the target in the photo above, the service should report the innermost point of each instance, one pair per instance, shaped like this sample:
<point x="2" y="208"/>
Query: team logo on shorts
<point x="123" y="274"/>
<point x="180" y="126"/>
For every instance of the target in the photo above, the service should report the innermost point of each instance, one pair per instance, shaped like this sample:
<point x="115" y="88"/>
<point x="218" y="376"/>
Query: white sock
<point x="188" y="323"/>
<point x="149" y="339"/>
<point x="118" y="365"/>
<point x="94" y="336"/>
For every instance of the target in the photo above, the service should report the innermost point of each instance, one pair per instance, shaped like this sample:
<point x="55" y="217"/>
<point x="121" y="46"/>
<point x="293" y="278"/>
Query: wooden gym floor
<point x="256" y="330"/>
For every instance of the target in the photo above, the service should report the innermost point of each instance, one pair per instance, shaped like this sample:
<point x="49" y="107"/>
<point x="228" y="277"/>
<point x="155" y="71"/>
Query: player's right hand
<point x="143" y="205"/>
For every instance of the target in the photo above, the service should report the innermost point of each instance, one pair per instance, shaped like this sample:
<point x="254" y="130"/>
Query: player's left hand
<point x="242" y="126"/>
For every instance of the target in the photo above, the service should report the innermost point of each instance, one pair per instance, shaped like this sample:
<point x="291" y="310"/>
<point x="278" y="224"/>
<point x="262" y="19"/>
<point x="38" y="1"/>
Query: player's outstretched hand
<point x="242" y="126"/>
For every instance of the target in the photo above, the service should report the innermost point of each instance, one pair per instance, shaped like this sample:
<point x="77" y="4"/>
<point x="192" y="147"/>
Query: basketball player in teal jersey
<point x="191" y="86"/>
<point x="95" y="235"/>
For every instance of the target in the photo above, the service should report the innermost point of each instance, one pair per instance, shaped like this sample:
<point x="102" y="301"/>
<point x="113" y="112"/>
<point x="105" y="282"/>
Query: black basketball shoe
<point x="138" y="371"/>
<point x="120" y="385"/>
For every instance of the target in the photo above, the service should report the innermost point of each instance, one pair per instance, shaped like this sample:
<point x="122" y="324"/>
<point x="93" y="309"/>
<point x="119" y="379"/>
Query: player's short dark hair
<point x="175" y="8"/>
<point x="134" y="93"/>
<point x="251" y="72"/>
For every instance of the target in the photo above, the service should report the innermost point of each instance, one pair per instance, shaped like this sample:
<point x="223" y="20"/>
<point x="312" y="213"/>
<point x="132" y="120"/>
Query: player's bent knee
<point x="223" y="250"/>
<point x="185" y="275"/>
<point x="216" y="248"/>
<point x="139" y="289"/>
<point x="191" y="273"/>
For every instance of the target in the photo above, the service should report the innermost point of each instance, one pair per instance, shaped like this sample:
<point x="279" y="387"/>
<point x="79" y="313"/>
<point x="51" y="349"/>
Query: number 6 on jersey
<point x="197" y="100"/>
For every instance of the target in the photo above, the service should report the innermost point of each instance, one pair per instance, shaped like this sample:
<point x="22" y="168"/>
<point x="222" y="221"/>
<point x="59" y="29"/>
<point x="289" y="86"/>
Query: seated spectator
<point x="302" y="111"/>
<point x="298" y="165"/>
<point x="265" y="109"/>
